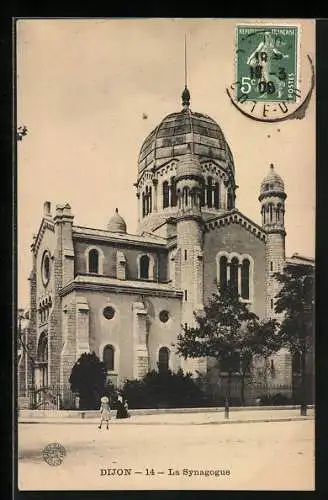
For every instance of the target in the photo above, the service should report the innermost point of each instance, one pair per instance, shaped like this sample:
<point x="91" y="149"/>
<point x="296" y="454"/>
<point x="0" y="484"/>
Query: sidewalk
<point x="197" y="418"/>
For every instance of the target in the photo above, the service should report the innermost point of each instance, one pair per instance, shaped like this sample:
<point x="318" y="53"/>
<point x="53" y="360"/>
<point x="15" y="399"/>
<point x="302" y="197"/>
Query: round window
<point x="164" y="316"/>
<point x="109" y="312"/>
<point x="45" y="268"/>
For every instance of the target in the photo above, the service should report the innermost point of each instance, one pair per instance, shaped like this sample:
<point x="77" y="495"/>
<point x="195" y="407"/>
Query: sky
<point x="83" y="89"/>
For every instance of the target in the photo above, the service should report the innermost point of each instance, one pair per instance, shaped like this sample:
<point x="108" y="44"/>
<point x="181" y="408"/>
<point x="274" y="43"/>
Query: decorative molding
<point x="236" y="217"/>
<point x="45" y="224"/>
<point x="119" y="286"/>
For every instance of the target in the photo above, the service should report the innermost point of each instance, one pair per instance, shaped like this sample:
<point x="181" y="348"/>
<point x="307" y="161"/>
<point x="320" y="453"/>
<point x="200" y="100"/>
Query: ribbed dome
<point x="272" y="182"/>
<point x="189" y="165"/>
<point x="116" y="223"/>
<point x="181" y="133"/>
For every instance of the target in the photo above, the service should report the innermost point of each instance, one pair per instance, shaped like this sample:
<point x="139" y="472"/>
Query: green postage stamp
<point x="266" y="63"/>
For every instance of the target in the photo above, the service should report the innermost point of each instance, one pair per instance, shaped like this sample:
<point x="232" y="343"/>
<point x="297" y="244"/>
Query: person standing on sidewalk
<point x="104" y="411"/>
<point x="122" y="407"/>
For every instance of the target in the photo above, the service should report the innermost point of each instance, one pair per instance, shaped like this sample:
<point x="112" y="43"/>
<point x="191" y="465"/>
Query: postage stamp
<point x="267" y="63"/>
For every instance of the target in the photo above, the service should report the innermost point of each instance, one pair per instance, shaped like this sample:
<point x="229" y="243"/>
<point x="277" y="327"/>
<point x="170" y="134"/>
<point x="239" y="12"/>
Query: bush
<point x="277" y="399"/>
<point x="88" y="380"/>
<point x="163" y="389"/>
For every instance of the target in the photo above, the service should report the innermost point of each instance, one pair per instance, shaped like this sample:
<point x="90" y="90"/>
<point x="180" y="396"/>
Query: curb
<point x="128" y="422"/>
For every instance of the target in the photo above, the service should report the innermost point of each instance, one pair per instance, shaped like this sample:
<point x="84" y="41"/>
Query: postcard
<point x="166" y="234"/>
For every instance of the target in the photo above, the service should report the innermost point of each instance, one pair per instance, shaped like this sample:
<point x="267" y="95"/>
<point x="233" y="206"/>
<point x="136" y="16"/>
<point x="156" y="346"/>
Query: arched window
<point x="270" y="211"/>
<point x="144" y="267"/>
<point x="209" y="192"/>
<point x="185" y="196"/>
<point x="143" y="205"/>
<point x="108" y="357"/>
<point x="223" y="272"/>
<point x="278" y="211"/>
<point x="163" y="359"/>
<point x="42" y="358"/>
<point x="147" y="200"/>
<point x="42" y="353"/>
<point x="166" y="194"/>
<point x="234" y="274"/>
<point x="173" y="193"/>
<point x="230" y="199"/>
<point x="245" y="279"/>
<point x="93" y="261"/>
<point x="263" y="215"/>
<point x="150" y="201"/>
<point x="217" y="195"/>
<point x="179" y="198"/>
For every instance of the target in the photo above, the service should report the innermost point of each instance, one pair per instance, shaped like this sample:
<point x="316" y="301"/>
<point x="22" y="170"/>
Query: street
<point x="180" y="455"/>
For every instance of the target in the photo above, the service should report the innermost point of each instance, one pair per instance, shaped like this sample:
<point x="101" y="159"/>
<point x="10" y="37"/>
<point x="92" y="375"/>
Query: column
<point x="223" y="195"/>
<point x="82" y="327"/>
<point x="140" y="341"/>
<point x="239" y="278"/>
<point x="155" y="184"/>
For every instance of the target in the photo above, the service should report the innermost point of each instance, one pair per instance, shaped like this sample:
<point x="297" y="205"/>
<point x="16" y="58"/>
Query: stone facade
<point x="93" y="290"/>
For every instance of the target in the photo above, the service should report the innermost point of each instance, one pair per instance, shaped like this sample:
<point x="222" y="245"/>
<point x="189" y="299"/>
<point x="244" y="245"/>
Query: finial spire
<point x="185" y="94"/>
<point x="271" y="166"/>
<point x="185" y="59"/>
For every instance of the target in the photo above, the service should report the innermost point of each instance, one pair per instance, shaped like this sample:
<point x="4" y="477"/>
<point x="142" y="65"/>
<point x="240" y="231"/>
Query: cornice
<point x="236" y="217"/>
<point x="104" y="284"/>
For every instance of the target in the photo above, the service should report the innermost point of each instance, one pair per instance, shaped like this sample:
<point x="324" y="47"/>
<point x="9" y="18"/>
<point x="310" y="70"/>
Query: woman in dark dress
<point x="122" y="407"/>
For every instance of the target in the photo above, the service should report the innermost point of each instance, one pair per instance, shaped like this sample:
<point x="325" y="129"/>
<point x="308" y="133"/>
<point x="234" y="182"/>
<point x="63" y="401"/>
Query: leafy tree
<point x="88" y="379"/>
<point x="296" y="301"/>
<point x="227" y="331"/>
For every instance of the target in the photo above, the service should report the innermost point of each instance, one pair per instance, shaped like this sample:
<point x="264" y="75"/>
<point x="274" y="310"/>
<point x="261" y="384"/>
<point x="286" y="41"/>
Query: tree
<point x="227" y="331"/>
<point x="88" y="379"/>
<point x="295" y="300"/>
<point x="258" y="340"/>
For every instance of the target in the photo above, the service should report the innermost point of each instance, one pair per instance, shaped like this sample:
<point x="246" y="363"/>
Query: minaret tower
<point x="189" y="224"/>
<point x="272" y="198"/>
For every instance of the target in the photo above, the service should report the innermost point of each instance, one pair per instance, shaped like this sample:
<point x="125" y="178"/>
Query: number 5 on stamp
<point x="266" y="63"/>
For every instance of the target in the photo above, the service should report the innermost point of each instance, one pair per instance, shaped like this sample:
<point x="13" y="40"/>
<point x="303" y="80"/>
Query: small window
<point x="164" y="316"/>
<point x="271" y="266"/>
<point x="245" y="279"/>
<point x="223" y="272"/>
<point x="271" y="303"/>
<point x="94" y="261"/>
<point x="45" y="268"/>
<point x="166" y="194"/>
<point x="163" y="359"/>
<point x="173" y="193"/>
<point x="186" y="295"/>
<point x="217" y="195"/>
<point x="108" y="357"/>
<point x="209" y="192"/>
<point x="185" y="254"/>
<point x="144" y="267"/>
<point x="109" y="312"/>
<point x="234" y="274"/>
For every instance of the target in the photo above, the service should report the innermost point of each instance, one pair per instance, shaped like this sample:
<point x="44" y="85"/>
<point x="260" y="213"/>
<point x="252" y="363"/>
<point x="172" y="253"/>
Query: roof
<point x="184" y="132"/>
<point x="108" y="236"/>
<point x="297" y="259"/>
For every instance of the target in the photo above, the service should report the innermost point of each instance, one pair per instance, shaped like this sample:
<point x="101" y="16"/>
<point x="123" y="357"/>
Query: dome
<point x="188" y="166"/>
<point x="185" y="132"/>
<point x="116" y="223"/>
<point x="272" y="182"/>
